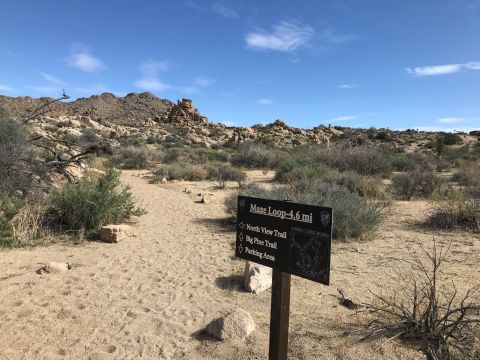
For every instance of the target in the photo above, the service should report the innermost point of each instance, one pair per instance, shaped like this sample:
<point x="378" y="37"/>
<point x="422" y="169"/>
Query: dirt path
<point x="148" y="296"/>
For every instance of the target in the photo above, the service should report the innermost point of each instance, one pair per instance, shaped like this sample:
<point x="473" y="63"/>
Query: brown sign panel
<point x="293" y="238"/>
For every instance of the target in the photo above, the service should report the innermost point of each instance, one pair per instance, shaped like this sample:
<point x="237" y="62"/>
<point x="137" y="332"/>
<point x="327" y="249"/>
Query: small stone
<point x="256" y="277"/>
<point x="114" y="233"/>
<point x="164" y="181"/>
<point x="205" y="199"/>
<point x="236" y="324"/>
<point x="53" y="268"/>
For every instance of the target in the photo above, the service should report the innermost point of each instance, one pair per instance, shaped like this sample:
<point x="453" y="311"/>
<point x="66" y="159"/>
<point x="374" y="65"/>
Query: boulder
<point x="256" y="277"/>
<point x="114" y="233"/>
<point x="236" y="324"/>
<point x="53" y="268"/>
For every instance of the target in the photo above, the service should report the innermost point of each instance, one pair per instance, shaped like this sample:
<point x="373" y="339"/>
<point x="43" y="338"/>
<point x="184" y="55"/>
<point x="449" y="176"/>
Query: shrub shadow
<point x="230" y="283"/>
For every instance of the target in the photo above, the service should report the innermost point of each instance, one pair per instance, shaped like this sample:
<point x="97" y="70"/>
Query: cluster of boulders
<point x="185" y="112"/>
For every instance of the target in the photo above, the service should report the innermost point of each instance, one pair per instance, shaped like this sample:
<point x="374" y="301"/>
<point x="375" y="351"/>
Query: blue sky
<point x="382" y="63"/>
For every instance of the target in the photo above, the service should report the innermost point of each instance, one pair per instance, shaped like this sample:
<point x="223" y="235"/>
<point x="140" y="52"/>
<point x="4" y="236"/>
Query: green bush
<point x="223" y="173"/>
<point x="451" y="139"/>
<point x="136" y="157"/>
<point x="90" y="204"/>
<point x="194" y="155"/>
<point x="353" y="215"/>
<point x="364" y="160"/>
<point x="186" y="172"/>
<point x="256" y="156"/>
<point x="415" y="183"/>
<point x="293" y="172"/>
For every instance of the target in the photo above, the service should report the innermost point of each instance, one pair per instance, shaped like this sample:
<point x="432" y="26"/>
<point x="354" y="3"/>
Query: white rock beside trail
<point x="53" y="268"/>
<point x="256" y="277"/>
<point x="236" y="324"/>
<point x="114" y="233"/>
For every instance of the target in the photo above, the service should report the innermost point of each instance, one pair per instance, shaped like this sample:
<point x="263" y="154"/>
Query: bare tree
<point x="27" y="159"/>
<point x="429" y="310"/>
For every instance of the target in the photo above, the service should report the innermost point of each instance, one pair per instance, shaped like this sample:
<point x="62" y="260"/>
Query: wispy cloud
<point x="329" y="36"/>
<point x="286" y="36"/>
<point x="265" y="101"/>
<point x="446" y="129"/>
<point x="341" y="118"/>
<point x="52" y="86"/>
<point x="81" y="58"/>
<point x="150" y="79"/>
<point x="51" y="79"/>
<point x="7" y="52"/>
<point x="95" y="89"/>
<point x="195" y="6"/>
<point x="347" y="86"/>
<point x="196" y="86"/>
<point x="203" y="81"/>
<point x="6" y="88"/>
<point x="224" y="10"/>
<point x="450" y="120"/>
<point x="436" y="70"/>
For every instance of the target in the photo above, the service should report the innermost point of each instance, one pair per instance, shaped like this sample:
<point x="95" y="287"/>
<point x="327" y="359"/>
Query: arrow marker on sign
<point x="241" y="225"/>
<point x="240" y="248"/>
<point x="240" y="236"/>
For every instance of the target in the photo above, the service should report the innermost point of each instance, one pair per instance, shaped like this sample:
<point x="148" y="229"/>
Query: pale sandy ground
<point x="149" y="296"/>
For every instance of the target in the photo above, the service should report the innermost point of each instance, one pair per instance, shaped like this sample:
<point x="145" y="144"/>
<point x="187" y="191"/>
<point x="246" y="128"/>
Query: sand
<point x="149" y="296"/>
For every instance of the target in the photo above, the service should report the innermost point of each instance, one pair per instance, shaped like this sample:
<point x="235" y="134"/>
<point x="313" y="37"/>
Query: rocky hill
<point x="147" y="118"/>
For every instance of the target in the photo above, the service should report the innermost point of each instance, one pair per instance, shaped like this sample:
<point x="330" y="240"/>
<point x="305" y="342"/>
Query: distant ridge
<point x="133" y="109"/>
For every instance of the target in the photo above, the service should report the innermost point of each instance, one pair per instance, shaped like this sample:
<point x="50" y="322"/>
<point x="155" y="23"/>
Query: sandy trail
<point x="143" y="297"/>
<point x="149" y="296"/>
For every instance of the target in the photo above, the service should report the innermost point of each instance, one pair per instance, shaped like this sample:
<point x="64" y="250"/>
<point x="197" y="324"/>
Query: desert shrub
<point x="455" y="209"/>
<point x="451" y="139"/>
<point x="256" y="155"/>
<point x="90" y="204"/>
<point x="427" y="308"/>
<point x="361" y="159"/>
<point x="402" y="162"/>
<point x="194" y="155"/>
<point x="27" y="224"/>
<point x="8" y="209"/>
<point x="89" y="137"/>
<point x="223" y="173"/>
<point x="188" y="172"/>
<point x="293" y="172"/>
<point x="415" y="183"/>
<point x="17" y="165"/>
<point x="354" y="216"/>
<point x="468" y="175"/>
<point x="136" y="157"/>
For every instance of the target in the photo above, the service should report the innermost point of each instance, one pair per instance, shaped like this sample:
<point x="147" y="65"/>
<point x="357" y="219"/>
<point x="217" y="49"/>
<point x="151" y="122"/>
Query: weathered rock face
<point x="236" y="324"/>
<point x="256" y="277"/>
<point x="114" y="233"/>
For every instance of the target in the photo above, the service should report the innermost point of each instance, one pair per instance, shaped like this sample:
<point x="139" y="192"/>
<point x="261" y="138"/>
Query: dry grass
<point x="27" y="224"/>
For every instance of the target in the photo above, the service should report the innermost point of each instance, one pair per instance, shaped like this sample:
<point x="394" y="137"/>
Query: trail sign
<point x="293" y="238"/>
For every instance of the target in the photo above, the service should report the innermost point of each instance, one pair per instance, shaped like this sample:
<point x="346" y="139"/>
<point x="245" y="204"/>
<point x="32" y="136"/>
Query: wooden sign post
<point x="279" y="315"/>
<point x="291" y="239"/>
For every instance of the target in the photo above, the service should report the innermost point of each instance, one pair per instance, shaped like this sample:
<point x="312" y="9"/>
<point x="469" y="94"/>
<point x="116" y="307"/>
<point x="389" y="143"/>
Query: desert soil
<point x="150" y="296"/>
